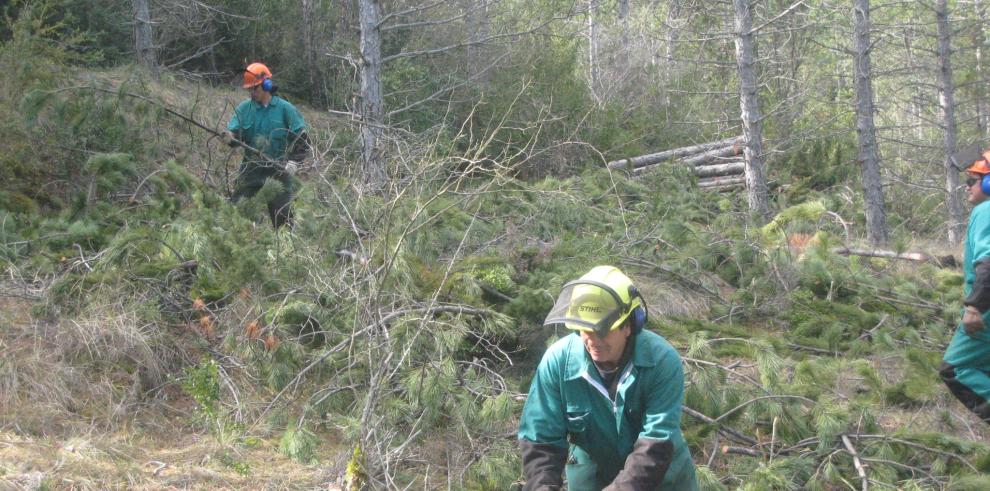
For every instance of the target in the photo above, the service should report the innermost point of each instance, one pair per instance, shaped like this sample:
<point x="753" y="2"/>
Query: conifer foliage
<point x="387" y="340"/>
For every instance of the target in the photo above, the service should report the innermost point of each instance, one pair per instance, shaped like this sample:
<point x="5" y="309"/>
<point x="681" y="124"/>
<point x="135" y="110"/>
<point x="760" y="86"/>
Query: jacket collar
<point x="579" y="363"/>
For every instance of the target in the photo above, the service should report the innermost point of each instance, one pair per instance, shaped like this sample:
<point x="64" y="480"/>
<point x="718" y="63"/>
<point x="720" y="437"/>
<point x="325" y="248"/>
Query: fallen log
<point x="717" y="156"/>
<point x="675" y="153"/>
<point x="734" y="167"/>
<point x="945" y="261"/>
<point x="721" y="181"/>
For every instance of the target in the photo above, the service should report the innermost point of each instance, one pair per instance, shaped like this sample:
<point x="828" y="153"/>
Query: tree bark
<point x="310" y="10"/>
<point x="144" y="43"/>
<point x="593" y="74"/>
<point x="674" y="153"/>
<point x="982" y="111"/>
<point x="715" y="156"/>
<point x="717" y="182"/>
<point x="372" y="105"/>
<point x="756" y="184"/>
<point x="869" y="160"/>
<point x="946" y="102"/>
<point x="727" y="169"/>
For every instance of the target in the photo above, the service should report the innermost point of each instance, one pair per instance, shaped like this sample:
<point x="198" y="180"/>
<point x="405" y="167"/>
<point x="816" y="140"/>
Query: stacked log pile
<point x="719" y="165"/>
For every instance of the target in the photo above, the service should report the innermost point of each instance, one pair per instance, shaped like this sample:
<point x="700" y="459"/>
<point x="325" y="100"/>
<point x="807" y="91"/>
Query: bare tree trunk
<point x="756" y="184"/>
<point x="310" y="9"/>
<point x="144" y="43"/>
<point x="869" y="159"/>
<point x="593" y="74"/>
<point x="624" y="21"/>
<point x="479" y="27"/>
<point x="372" y="105"/>
<point x="946" y="102"/>
<point x="982" y="112"/>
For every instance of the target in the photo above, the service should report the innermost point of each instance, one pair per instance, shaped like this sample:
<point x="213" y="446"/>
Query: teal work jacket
<point x="977" y="249"/>
<point x="272" y="129"/>
<point x="568" y="406"/>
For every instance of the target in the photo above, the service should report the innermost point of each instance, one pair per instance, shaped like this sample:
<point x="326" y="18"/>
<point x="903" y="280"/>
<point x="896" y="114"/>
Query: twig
<point x="727" y="429"/>
<point x="856" y="462"/>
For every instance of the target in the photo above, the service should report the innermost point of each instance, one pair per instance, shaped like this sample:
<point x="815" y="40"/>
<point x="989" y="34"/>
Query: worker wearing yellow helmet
<point x="966" y="365"/>
<point x="604" y="406"/>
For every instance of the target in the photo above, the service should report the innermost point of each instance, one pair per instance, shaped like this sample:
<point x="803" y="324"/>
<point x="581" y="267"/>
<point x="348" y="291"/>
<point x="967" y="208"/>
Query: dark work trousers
<point x="279" y="207"/>
<point x="965" y="368"/>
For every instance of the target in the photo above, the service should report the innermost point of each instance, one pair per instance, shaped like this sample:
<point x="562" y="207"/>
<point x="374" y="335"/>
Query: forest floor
<point x="148" y="446"/>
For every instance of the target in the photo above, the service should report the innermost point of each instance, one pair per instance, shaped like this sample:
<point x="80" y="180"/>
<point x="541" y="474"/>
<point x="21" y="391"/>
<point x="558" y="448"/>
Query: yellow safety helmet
<point x="600" y="301"/>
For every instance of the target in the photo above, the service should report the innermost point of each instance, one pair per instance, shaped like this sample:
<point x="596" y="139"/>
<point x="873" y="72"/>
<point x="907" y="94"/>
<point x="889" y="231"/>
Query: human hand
<point x="972" y="320"/>
<point x="290" y="167"/>
<point x="230" y="139"/>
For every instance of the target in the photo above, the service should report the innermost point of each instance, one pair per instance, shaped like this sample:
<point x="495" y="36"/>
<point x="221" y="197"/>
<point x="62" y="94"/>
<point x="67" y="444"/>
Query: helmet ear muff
<point x="640" y="317"/>
<point x="985" y="184"/>
<point x="267" y="85"/>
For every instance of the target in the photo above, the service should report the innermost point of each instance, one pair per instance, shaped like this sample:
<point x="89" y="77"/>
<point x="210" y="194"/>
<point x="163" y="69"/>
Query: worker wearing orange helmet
<point x="273" y="134"/>
<point x="966" y="365"/>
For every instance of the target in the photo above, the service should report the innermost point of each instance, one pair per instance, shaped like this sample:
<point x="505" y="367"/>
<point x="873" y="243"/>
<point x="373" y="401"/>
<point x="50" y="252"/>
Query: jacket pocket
<point x="578" y="420"/>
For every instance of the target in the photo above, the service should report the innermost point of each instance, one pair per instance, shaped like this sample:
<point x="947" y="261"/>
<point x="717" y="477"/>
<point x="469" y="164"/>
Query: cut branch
<point x="948" y="260"/>
<point x="676" y="153"/>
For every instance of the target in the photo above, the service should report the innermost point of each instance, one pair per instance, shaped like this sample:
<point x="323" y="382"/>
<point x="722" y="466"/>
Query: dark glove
<point x="230" y="139"/>
<point x="972" y="320"/>
<point x="543" y="466"/>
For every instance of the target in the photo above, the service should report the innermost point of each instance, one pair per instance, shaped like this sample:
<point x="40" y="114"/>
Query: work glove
<point x="230" y="139"/>
<point x="290" y="168"/>
<point x="972" y="320"/>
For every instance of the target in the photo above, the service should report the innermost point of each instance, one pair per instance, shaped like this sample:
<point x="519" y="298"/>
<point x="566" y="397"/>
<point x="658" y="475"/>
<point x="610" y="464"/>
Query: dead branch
<point x="860" y="469"/>
<point x="947" y="261"/>
<point x="717" y="182"/>
<point x="676" y="153"/>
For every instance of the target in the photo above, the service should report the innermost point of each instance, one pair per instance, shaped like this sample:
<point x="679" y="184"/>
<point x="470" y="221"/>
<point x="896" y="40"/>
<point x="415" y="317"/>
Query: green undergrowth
<point x="403" y="325"/>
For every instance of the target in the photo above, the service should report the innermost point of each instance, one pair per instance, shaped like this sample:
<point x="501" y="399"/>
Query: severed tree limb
<point x="948" y="260"/>
<point x="676" y="153"/>
<point x="731" y="167"/>
<point x="721" y="181"/>
<point x="860" y="469"/>
<point x="728" y="430"/>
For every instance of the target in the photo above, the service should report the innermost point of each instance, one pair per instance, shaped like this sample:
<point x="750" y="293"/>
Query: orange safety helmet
<point x="256" y="73"/>
<point x="981" y="165"/>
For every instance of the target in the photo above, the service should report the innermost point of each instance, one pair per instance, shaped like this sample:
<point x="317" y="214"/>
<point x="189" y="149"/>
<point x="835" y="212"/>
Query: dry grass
<point x="140" y="460"/>
<point x="76" y="412"/>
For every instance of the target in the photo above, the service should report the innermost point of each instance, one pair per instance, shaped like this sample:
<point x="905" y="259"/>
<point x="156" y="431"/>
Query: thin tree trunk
<point x="982" y="111"/>
<point x="372" y="105"/>
<point x="479" y="27"/>
<point x="869" y="159"/>
<point x="144" y="43"/>
<point x="310" y="10"/>
<point x="946" y="102"/>
<point x="756" y="184"/>
<point x="623" y="7"/>
<point x="593" y="73"/>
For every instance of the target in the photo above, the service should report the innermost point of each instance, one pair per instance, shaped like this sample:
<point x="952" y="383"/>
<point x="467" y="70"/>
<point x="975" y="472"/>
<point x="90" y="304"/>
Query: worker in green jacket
<point x="273" y="134"/>
<point x="605" y="404"/>
<point x="966" y="365"/>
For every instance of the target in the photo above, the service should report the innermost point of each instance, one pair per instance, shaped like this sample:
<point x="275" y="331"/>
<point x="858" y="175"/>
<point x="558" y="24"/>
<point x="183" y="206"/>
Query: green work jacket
<point x="568" y="406"/>
<point x="977" y="249"/>
<point x="272" y="129"/>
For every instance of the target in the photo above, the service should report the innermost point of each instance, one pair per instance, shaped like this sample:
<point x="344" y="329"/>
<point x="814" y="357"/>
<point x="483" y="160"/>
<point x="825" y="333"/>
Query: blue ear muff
<point x="266" y="85"/>
<point x="985" y="184"/>
<point x="639" y="319"/>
